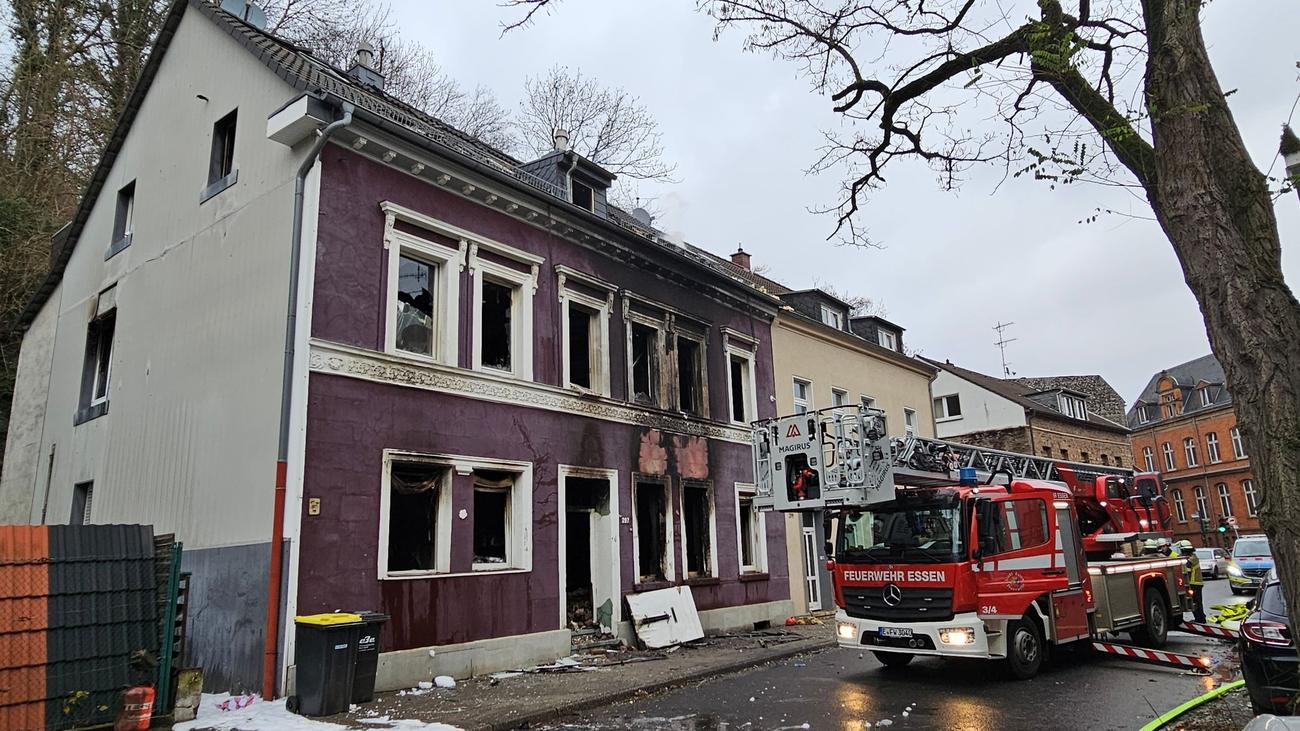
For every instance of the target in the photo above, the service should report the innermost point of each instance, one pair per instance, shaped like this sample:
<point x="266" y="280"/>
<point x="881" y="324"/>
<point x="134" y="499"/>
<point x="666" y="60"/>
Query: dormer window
<point x="583" y="195"/>
<point x="887" y="339"/>
<point x="1073" y="406"/>
<point x="832" y="317"/>
<point x="1206" y="398"/>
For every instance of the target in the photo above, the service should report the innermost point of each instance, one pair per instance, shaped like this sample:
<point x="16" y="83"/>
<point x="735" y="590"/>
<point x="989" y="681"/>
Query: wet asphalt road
<point x="848" y="689"/>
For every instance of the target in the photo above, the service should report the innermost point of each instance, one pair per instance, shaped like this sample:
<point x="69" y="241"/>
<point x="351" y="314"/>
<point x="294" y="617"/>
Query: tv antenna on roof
<point x="246" y="11"/>
<point x="1002" y="343"/>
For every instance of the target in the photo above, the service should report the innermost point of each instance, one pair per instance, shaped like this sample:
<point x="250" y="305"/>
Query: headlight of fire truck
<point x="848" y="631"/>
<point x="957" y="635"/>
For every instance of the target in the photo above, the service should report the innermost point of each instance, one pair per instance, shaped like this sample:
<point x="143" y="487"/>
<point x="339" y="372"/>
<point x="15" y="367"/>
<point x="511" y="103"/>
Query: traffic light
<point x="1223" y="524"/>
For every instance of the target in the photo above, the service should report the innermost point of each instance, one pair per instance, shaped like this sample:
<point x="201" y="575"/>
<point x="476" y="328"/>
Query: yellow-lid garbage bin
<point x="325" y="657"/>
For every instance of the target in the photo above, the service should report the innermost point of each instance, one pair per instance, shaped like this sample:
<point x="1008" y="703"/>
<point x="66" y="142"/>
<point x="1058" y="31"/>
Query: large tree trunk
<point x="1214" y="204"/>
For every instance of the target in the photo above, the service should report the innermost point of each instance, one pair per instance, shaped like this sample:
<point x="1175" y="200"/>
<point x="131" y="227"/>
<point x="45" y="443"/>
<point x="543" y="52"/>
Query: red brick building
<point x="1184" y="426"/>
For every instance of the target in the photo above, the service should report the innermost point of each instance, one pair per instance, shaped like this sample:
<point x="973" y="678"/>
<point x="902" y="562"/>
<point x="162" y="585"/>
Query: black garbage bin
<point x="363" y="679"/>
<point x="325" y="658"/>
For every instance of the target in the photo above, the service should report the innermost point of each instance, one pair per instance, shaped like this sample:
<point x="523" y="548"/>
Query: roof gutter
<point x="272" y="633"/>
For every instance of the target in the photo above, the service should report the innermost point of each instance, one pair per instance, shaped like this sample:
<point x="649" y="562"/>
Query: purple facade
<point x="351" y="421"/>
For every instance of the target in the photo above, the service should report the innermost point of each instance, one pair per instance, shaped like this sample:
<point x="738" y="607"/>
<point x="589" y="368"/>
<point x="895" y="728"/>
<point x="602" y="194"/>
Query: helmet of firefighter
<point x="1162" y="542"/>
<point x="1149" y="543"/>
<point x="1185" y="545"/>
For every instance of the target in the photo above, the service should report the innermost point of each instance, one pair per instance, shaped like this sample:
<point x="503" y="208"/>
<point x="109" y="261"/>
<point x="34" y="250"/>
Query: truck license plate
<point x="896" y="632"/>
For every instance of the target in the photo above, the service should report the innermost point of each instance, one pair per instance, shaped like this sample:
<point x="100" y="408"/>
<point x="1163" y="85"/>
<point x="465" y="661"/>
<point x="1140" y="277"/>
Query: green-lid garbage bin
<point x="363" y="679"/>
<point x="325" y="658"/>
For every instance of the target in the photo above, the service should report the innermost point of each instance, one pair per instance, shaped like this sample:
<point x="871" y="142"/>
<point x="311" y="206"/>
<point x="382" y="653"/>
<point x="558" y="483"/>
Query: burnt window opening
<point x="413" y="515"/>
<point x="697" y="514"/>
<point x="492" y="518"/>
<point x="583" y="196"/>
<point x="652" y="531"/>
<point x="749" y="533"/>
<point x="496" y="327"/>
<point x="690" y="375"/>
<point x="222" y="161"/>
<point x="645" y="364"/>
<point x="740" y="386"/>
<point x="415" y="322"/>
<point x="124" y="215"/>
<point x="582" y="322"/>
<point x="97" y="366"/>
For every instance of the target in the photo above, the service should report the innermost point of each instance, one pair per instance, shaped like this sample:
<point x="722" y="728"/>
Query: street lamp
<point x="1290" y="150"/>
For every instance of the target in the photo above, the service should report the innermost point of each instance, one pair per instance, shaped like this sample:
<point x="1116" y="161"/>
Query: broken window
<point x="740" y="389"/>
<point x="697" y="515"/>
<point x="413" y="515"/>
<point x="582" y="354"/>
<point x="645" y="364"/>
<point x="651" y="531"/>
<point x="690" y="375"/>
<point x="750" y="528"/>
<point x="492" y="518"/>
<point x="583" y="196"/>
<point x="97" y="366"/>
<point x="415" y="292"/>
<point x="496" y="326"/>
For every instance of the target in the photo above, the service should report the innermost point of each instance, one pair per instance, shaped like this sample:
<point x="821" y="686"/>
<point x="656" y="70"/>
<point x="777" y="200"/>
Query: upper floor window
<point x="1252" y="500"/>
<point x="1212" y="447"/>
<point x="583" y="195"/>
<point x="1180" y="508"/>
<point x="740" y="367"/>
<point x="1143" y="416"/>
<point x="947" y="407"/>
<point x="1238" y="447"/>
<point x="692" y="394"/>
<point x="503" y="318"/>
<point x="1202" y="504"/>
<point x="870" y="403"/>
<point x="1225" y="500"/>
<point x="802" y="396"/>
<point x="1169" y="404"/>
<point x="1206" y="399"/>
<point x="909" y="421"/>
<point x="1148" y="459"/>
<point x="1073" y="406"/>
<point x="123" y="219"/>
<point x="586" y="342"/>
<point x="1169" y="456"/>
<point x="1189" y="450"/>
<point x="221" y="160"/>
<point x="887" y="339"/>
<point x="645" y="354"/>
<point x="423" y="297"/>
<point x="83" y="497"/>
<point x="832" y="317"/>
<point x="97" y="363"/>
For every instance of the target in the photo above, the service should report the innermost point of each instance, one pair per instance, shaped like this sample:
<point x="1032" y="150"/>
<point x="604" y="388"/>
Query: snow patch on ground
<point x="273" y="716"/>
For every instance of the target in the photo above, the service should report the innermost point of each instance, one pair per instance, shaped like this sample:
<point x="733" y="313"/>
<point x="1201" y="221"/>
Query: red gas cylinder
<point x="137" y="709"/>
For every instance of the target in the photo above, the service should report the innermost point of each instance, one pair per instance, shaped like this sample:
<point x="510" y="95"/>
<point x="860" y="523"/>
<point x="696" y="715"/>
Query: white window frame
<point x="520" y="551"/>
<point x="750" y="386"/>
<point x="1212" y="448"/>
<point x="832" y="317"/>
<point x="713" y="526"/>
<point x="661" y="361"/>
<point x="806" y="403"/>
<point x="1168" y="449"/>
<point x="1073" y="406"/>
<point x="670" y="558"/>
<point x="1238" y="446"/>
<point x="1180" y="506"/>
<point x="1252" y="501"/>
<point x="943" y="401"/>
<point x="1205" y="396"/>
<point x="103" y="350"/>
<point x="839" y="396"/>
<point x="1149" y="457"/>
<point x="758" y="530"/>
<point x="1189" y="451"/>
<point x="600" y="370"/>
<point x="445" y="262"/>
<point x="886" y="339"/>
<point x="521" y="318"/>
<point x="1202" y="502"/>
<point x="1225" y="498"/>
<point x="1142" y="415"/>
<point x="909" y="421"/>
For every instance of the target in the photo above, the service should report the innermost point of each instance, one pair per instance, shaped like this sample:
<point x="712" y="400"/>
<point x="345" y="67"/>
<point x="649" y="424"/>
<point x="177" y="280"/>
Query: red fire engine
<point x="947" y="549"/>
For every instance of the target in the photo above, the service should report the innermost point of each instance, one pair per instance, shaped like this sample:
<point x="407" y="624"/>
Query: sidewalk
<point x="535" y="697"/>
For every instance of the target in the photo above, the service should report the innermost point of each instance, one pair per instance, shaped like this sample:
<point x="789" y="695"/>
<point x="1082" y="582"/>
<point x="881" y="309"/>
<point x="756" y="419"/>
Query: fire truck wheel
<point x="1024" y="648"/>
<point x="893" y="659"/>
<point x="1155" y="630"/>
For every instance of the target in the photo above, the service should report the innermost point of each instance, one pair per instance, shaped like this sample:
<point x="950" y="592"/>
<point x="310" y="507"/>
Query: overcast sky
<point x="742" y="128"/>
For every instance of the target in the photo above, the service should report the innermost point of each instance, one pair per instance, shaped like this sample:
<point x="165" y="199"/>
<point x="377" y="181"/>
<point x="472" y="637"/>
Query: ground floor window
<point x="492" y="519"/>
<point x="413" y="516"/>
<point x="750" y="532"/>
<point x="651" y="508"/>
<point x="697" y="527"/>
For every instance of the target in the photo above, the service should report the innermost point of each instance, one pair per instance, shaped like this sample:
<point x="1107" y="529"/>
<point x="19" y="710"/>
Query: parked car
<point x="1252" y="559"/>
<point x="1268" y="653"/>
<point x="1214" y="562"/>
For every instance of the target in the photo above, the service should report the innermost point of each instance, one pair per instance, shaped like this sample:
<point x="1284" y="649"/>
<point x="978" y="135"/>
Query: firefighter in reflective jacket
<point x="1195" y="583"/>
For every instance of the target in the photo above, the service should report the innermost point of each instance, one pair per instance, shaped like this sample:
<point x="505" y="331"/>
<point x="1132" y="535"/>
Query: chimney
<point x="561" y="138"/>
<point x="363" y="67"/>
<point x="740" y="258"/>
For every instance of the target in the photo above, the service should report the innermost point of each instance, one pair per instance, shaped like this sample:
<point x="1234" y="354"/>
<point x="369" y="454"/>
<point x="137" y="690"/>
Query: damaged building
<point x="509" y="405"/>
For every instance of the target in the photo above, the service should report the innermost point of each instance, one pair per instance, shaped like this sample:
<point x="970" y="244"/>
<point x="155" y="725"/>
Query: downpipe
<point x="272" y="630"/>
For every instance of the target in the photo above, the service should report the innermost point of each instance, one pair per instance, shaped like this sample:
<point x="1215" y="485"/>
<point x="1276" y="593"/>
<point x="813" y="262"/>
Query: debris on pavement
<point x="251" y="713"/>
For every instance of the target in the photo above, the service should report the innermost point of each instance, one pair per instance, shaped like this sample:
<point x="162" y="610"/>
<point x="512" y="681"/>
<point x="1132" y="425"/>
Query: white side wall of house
<point x="189" y="441"/>
<point x="22" y="484"/>
<point x="981" y="409"/>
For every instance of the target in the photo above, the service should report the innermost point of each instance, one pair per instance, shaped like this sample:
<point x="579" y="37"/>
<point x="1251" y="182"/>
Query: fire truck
<point x="953" y="550"/>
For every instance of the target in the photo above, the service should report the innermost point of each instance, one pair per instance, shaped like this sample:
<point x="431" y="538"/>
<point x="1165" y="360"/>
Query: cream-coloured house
<point x="823" y="356"/>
